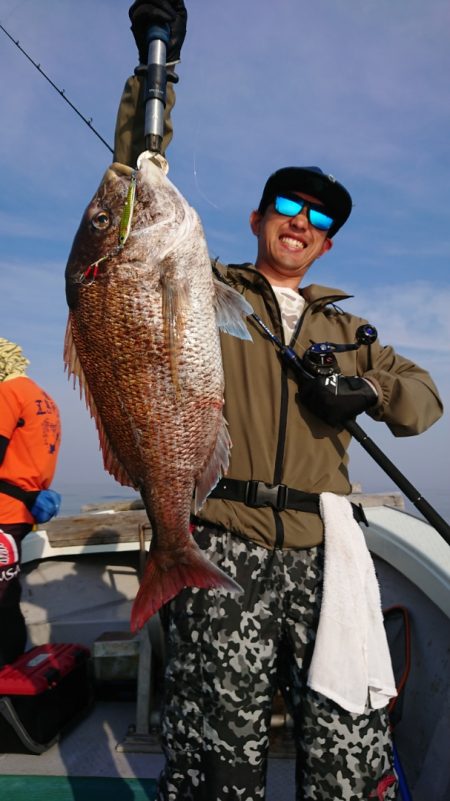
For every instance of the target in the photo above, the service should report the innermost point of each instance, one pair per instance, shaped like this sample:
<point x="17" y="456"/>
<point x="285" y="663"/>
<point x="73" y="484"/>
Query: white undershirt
<point x="291" y="305"/>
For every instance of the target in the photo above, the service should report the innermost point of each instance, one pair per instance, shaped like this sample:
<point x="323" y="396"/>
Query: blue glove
<point x="337" y="398"/>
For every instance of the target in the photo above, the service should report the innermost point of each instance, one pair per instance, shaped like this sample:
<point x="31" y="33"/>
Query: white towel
<point x="351" y="662"/>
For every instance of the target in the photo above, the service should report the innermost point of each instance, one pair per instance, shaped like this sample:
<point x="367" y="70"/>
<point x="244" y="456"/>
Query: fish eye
<point x="101" y="220"/>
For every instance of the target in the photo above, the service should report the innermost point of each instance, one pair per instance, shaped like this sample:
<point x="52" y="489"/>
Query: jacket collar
<point x="314" y="294"/>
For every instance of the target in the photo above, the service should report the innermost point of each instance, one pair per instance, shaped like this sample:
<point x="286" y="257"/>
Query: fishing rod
<point x="321" y="361"/>
<point x="155" y="88"/>
<point x="61" y="92"/>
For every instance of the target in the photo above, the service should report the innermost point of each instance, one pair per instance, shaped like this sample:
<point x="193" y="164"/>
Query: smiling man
<point x="227" y="654"/>
<point x="297" y="228"/>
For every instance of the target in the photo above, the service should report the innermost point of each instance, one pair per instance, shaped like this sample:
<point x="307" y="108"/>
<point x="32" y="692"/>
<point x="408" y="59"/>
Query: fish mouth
<point x="117" y="178"/>
<point x="121" y="169"/>
<point x="116" y="172"/>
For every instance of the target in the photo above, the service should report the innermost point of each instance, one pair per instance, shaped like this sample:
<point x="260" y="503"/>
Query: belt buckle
<point x="261" y="494"/>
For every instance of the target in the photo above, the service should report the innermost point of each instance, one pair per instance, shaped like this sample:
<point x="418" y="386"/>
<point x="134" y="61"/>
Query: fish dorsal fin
<point x="215" y="468"/>
<point x="75" y="370"/>
<point x="231" y="308"/>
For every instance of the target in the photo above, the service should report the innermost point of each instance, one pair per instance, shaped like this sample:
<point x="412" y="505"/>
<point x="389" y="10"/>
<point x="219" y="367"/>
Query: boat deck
<point x="90" y="749"/>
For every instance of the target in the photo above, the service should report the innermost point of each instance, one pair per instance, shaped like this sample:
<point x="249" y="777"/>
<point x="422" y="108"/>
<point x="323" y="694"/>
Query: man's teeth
<point x="293" y="243"/>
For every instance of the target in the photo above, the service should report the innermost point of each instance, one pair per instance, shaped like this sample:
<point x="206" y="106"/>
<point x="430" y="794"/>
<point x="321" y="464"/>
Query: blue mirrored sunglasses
<point x="290" y="206"/>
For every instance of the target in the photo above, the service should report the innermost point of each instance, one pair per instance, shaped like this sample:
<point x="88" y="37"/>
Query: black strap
<point x="278" y="496"/>
<point x="27" y="497"/>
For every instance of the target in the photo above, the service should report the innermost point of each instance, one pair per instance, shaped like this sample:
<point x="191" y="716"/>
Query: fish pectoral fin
<point x="76" y="372"/>
<point x="231" y="308"/>
<point x="161" y="583"/>
<point x="175" y="302"/>
<point x="215" y="468"/>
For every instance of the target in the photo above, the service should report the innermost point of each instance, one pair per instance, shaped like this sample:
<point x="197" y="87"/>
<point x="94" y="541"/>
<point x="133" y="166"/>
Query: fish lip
<point x="121" y="169"/>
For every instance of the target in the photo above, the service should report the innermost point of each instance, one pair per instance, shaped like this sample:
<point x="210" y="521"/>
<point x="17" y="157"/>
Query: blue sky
<point x="358" y="87"/>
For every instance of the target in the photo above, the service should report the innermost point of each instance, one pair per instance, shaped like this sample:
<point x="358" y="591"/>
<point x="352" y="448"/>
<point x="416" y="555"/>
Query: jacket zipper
<point x="282" y="423"/>
<point x="282" y="429"/>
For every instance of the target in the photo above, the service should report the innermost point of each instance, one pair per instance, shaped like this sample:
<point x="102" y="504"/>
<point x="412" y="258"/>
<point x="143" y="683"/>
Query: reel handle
<point x="319" y="359"/>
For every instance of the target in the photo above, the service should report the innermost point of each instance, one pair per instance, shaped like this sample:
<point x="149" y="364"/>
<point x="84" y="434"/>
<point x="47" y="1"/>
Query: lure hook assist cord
<point x="61" y="92"/>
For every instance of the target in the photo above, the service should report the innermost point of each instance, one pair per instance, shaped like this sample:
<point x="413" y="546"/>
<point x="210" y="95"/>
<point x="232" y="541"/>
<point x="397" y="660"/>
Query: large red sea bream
<point x="143" y="342"/>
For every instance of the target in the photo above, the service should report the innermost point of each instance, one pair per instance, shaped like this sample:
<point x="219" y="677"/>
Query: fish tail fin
<point x="162" y="583"/>
<point x="231" y="308"/>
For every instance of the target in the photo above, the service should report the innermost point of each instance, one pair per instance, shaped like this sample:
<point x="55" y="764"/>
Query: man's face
<point x="287" y="246"/>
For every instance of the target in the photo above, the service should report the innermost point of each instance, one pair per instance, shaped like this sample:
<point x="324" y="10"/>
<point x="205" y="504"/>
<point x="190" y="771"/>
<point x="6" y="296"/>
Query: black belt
<point x="27" y="497"/>
<point x="278" y="496"/>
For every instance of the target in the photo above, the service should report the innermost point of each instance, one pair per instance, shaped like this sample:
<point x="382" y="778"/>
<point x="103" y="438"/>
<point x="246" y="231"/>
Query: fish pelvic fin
<point x="231" y="309"/>
<point x="75" y="371"/>
<point x="216" y="467"/>
<point x="175" y="299"/>
<point x="162" y="583"/>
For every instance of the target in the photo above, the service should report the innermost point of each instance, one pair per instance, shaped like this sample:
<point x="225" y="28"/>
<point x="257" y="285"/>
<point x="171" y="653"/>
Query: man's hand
<point x="158" y="12"/>
<point x="337" y="398"/>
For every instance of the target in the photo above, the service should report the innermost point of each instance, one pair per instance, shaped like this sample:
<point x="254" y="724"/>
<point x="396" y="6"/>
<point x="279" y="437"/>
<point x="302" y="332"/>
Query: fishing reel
<point x="320" y="359"/>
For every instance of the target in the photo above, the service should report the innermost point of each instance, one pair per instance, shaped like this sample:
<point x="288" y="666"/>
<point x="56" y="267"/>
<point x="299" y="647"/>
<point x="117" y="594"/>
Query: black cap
<point x="311" y="181"/>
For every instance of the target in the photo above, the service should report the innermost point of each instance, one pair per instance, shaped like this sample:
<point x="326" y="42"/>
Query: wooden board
<point x="98" y="529"/>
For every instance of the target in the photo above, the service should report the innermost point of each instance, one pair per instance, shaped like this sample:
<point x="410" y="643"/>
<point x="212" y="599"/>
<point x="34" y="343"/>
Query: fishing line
<point x="61" y="92"/>
<point x="197" y="184"/>
<point x="202" y="85"/>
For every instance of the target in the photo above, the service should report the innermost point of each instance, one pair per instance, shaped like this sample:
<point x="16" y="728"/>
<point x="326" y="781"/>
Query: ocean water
<point x="75" y="496"/>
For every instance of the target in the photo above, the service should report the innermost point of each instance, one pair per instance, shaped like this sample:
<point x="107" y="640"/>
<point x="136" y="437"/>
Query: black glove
<point x="158" y="12"/>
<point x="337" y="398"/>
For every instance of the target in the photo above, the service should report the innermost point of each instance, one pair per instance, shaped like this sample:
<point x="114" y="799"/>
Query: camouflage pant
<point x="226" y="656"/>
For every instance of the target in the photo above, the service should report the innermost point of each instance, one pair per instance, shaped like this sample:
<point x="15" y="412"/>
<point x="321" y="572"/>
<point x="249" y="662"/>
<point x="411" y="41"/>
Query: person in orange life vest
<point x="30" y="436"/>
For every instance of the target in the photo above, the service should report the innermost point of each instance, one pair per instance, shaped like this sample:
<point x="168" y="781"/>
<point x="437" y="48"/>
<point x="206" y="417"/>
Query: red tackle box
<point x="41" y="694"/>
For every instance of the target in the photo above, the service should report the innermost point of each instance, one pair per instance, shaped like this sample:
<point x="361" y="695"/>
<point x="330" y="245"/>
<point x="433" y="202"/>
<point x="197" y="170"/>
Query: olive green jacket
<point x="275" y="438"/>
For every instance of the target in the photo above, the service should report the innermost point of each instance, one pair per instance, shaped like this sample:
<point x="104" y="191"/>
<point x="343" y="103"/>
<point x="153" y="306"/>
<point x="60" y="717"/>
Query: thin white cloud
<point x="414" y="316"/>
